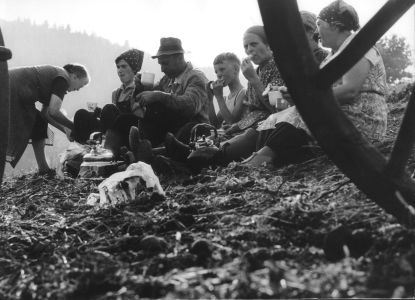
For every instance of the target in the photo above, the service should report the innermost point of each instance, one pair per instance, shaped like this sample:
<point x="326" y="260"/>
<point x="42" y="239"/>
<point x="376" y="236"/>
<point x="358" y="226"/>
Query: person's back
<point x="35" y="83"/>
<point x="47" y="84"/>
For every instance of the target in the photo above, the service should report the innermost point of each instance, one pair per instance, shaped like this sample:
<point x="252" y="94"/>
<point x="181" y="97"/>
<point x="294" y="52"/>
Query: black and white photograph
<point x="207" y="149"/>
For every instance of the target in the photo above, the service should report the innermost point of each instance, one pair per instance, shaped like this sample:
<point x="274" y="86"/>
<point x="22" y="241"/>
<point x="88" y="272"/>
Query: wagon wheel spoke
<point x="405" y="141"/>
<point x="337" y="136"/>
<point x="363" y="41"/>
<point x="5" y="54"/>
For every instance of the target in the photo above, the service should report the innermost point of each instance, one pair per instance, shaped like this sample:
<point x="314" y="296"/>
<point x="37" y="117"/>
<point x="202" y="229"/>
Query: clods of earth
<point x="300" y="231"/>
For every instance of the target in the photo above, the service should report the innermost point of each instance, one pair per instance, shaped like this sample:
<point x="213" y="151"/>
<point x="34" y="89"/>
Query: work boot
<point x="134" y="138"/>
<point x="141" y="148"/>
<point x="175" y="149"/>
<point x="204" y="157"/>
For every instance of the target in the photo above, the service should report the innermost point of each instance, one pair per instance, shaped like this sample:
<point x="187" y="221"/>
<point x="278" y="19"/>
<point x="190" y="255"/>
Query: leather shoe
<point x="202" y="158"/>
<point x="175" y="149"/>
<point x="141" y="148"/>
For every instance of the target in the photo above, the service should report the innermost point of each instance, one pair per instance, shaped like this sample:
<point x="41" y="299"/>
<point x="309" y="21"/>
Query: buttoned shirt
<point x="122" y="97"/>
<point x="126" y="92"/>
<point x="188" y="96"/>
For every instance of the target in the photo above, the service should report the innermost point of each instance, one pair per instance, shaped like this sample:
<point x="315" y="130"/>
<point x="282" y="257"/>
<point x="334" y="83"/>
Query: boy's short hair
<point x="227" y="56"/>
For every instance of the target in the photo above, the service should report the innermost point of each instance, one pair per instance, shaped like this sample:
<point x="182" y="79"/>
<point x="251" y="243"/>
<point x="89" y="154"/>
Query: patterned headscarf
<point x="341" y="14"/>
<point x="134" y="59"/>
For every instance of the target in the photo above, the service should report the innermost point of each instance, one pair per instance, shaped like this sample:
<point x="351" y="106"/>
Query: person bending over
<point x="48" y="85"/>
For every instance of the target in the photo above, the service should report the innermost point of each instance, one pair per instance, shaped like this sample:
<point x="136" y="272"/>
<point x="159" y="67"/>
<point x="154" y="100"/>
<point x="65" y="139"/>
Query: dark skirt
<point x="23" y="114"/>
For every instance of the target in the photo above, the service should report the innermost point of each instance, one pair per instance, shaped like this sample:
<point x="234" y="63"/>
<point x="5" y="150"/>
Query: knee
<point x="110" y="108"/>
<point x="109" y="114"/>
<point x="81" y="114"/>
<point x="251" y="133"/>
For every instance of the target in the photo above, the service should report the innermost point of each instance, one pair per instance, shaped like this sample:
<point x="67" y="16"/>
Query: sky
<point x="206" y="27"/>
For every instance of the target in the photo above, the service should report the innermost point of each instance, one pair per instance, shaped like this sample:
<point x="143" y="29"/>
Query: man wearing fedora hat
<point x="177" y="103"/>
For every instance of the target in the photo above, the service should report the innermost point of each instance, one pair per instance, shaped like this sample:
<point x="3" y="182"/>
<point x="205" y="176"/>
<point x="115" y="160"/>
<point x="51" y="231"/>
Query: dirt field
<point x="300" y="231"/>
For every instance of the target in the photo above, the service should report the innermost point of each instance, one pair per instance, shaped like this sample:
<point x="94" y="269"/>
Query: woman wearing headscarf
<point x="116" y="118"/>
<point x="259" y="53"/>
<point x="128" y="64"/>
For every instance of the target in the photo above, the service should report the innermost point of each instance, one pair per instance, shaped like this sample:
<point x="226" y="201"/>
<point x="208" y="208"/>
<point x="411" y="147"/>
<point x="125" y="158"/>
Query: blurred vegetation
<point x="396" y="54"/>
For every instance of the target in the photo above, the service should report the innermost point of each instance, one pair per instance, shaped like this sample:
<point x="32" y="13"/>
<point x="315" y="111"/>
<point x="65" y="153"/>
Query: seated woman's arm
<point x="352" y="82"/>
<point x="249" y="72"/>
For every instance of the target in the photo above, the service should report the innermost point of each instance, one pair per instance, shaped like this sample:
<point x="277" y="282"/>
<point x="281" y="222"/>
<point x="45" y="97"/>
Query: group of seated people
<point x="144" y="122"/>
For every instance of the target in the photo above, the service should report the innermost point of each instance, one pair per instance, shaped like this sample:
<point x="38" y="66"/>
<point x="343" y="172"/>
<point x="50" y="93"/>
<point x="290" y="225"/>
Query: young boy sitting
<point x="231" y="108"/>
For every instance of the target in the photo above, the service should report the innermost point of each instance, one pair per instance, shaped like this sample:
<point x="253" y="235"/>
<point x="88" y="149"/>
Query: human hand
<point x="286" y="95"/>
<point x="226" y="126"/>
<point x="137" y="79"/>
<point x="217" y="87"/>
<point x="209" y="90"/>
<point x="68" y="134"/>
<point x="148" y="97"/>
<point x="138" y="110"/>
<point x="234" y="128"/>
<point x="138" y="106"/>
<point x="248" y="70"/>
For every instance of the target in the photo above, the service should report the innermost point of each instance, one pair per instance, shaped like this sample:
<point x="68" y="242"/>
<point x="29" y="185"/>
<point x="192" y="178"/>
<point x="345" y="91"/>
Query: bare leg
<point x="39" y="149"/>
<point x="241" y="146"/>
<point x="265" y="156"/>
<point x="266" y="151"/>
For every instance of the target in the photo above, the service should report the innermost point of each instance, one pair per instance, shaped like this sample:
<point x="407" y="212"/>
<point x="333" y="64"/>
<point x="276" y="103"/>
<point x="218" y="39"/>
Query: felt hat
<point x="169" y="46"/>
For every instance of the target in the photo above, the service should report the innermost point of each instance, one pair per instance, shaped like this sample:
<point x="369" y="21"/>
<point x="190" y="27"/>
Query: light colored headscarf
<point x="259" y="31"/>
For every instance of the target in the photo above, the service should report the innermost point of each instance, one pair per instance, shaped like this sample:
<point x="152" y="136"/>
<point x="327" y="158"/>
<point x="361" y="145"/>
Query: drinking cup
<point x="91" y="106"/>
<point x="273" y="97"/>
<point x="147" y="79"/>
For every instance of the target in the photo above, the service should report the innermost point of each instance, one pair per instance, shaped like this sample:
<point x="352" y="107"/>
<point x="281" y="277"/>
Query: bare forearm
<point x="213" y="118"/>
<point x="53" y="111"/>
<point x="61" y="120"/>
<point x="259" y="89"/>
<point x="52" y="122"/>
<point x="344" y="95"/>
